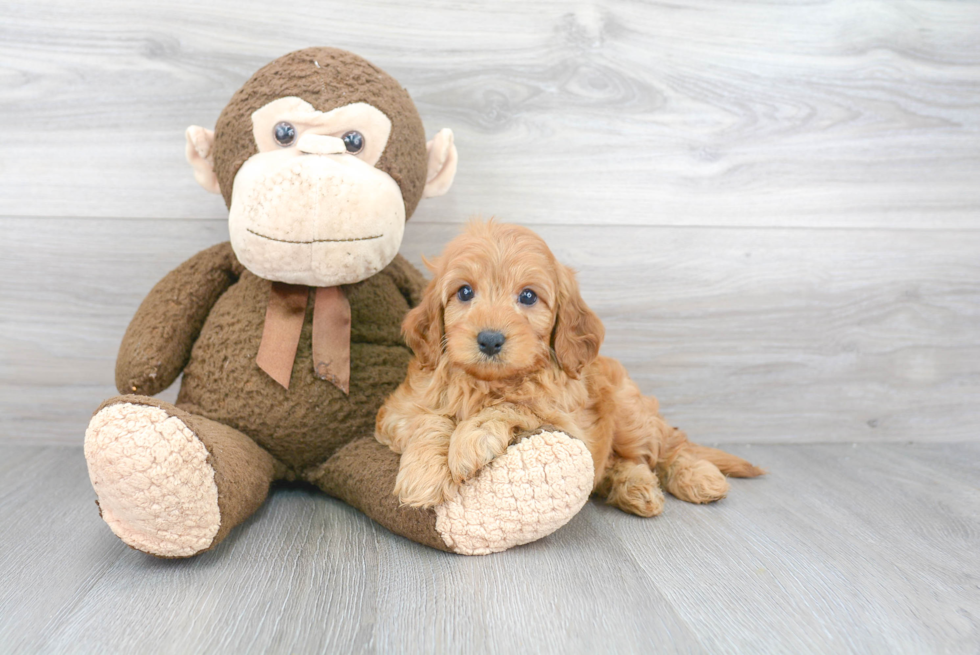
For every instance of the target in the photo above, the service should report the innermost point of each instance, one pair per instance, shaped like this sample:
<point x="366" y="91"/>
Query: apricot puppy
<point x="504" y="344"/>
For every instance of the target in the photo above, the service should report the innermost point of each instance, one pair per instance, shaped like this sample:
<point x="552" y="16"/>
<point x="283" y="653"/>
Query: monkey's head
<point x="321" y="158"/>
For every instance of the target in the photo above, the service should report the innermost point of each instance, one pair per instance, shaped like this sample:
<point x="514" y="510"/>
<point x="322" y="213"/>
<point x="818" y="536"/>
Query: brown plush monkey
<point x="288" y="336"/>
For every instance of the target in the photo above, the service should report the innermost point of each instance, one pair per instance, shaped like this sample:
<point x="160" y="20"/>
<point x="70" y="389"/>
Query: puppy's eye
<point x="284" y="133"/>
<point x="527" y="297"/>
<point x="465" y="293"/>
<point x="354" y="142"/>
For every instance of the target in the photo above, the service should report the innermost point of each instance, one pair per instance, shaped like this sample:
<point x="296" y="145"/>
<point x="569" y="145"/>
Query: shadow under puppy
<point x="504" y="344"/>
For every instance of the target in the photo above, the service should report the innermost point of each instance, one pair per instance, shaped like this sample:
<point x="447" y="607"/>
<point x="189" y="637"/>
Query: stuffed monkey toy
<point x="288" y="337"/>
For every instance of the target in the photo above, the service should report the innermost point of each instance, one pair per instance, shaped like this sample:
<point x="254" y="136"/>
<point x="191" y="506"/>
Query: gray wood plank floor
<point x="843" y="548"/>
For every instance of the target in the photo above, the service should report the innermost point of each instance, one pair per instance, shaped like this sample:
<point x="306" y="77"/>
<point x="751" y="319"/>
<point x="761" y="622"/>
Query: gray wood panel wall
<point x="775" y="207"/>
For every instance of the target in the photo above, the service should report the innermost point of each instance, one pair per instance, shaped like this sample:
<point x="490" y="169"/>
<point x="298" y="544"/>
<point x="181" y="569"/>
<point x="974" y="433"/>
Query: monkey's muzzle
<point x="316" y="219"/>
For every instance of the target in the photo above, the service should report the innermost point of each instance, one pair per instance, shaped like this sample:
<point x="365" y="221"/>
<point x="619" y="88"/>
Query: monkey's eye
<point x="284" y="133"/>
<point x="465" y="293"/>
<point x="527" y="297"/>
<point x="354" y="142"/>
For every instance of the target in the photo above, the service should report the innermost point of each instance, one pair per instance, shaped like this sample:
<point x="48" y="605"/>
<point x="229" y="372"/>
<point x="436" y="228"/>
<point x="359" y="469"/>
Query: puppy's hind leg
<point x="696" y="473"/>
<point x="726" y="462"/>
<point x="631" y="486"/>
<point x="692" y="479"/>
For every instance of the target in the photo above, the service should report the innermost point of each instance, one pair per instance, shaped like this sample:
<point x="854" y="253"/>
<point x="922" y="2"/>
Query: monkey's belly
<point x="304" y="425"/>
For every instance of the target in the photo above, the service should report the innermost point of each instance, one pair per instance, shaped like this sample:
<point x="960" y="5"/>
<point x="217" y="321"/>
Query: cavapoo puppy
<point x="505" y="344"/>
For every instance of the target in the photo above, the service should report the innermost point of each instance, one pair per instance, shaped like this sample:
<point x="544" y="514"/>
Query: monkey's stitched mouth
<point x="376" y="236"/>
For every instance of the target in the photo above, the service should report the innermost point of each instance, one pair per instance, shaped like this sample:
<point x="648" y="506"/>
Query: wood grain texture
<point x="759" y="335"/>
<point x="841" y="549"/>
<point x="837" y="113"/>
<point x="847" y="538"/>
<point x="773" y="206"/>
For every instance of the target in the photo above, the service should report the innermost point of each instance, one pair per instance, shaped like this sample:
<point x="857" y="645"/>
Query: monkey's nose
<point x="321" y="144"/>
<point x="490" y="342"/>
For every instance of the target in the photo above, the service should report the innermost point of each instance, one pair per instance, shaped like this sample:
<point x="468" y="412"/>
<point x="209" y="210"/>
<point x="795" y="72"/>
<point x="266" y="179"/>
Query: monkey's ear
<point x="442" y="164"/>
<point x="200" y="157"/>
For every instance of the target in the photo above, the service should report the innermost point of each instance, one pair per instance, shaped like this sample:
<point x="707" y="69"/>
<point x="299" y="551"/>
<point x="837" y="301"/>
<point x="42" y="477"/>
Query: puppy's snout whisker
<point x="490" y="342"/>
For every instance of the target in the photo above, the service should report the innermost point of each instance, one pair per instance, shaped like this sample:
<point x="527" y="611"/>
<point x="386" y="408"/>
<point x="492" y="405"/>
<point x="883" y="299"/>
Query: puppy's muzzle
<point x="490" y="342"/>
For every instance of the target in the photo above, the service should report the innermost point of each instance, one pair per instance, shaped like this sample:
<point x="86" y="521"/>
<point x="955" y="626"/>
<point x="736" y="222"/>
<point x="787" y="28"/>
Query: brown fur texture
<point x="362" y="475"/>
<point x="326" y="78"/>
<point x="460" y="407"/>
<point x="205" y="318"/>
<point x="174" y="479"/>
<point x="157" y="343"/>
<point x="184" y="325"/>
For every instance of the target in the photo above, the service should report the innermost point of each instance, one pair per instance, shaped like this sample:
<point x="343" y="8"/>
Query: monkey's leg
<point x="527" y="493"/>
<point x="170" y="483"/>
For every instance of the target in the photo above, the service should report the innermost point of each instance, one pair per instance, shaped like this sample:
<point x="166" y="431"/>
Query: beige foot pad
<point x="156" y="489"/>
<point x="527" y="493"/>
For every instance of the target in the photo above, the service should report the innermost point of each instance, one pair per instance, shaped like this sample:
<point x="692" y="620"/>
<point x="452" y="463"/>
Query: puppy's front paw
<point x="472" y="449"/>
<point x="422" y="485"/>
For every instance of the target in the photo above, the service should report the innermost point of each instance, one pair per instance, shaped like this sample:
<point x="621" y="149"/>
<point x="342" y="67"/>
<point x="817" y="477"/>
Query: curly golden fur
<point x="461" y="406"/>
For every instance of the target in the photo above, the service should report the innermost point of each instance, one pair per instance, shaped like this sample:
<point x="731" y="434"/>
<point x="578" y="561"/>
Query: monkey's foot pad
<point x="155" y="486"/>
<point x="527" y="493"/>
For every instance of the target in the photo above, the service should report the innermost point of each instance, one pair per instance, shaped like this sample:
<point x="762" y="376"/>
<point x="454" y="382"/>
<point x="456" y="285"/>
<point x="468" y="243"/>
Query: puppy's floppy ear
<point x="422" y="327"/>
<point x="578" y="332"/>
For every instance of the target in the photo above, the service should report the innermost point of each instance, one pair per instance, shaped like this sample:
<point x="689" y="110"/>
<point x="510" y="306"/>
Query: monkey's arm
<point x="408" y="279"/>
<point x="158" y="341"/>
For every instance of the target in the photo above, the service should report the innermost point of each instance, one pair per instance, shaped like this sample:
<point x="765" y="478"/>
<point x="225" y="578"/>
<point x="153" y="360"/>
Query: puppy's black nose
<point x="490" y="342"/>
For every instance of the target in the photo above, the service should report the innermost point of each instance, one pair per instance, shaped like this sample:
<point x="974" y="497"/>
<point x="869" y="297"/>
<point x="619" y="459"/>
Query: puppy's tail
<point x="728" y="464"/>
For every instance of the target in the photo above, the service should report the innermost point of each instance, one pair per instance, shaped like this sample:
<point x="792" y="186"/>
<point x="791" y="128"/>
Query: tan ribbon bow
<point x="284" y="318"/>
